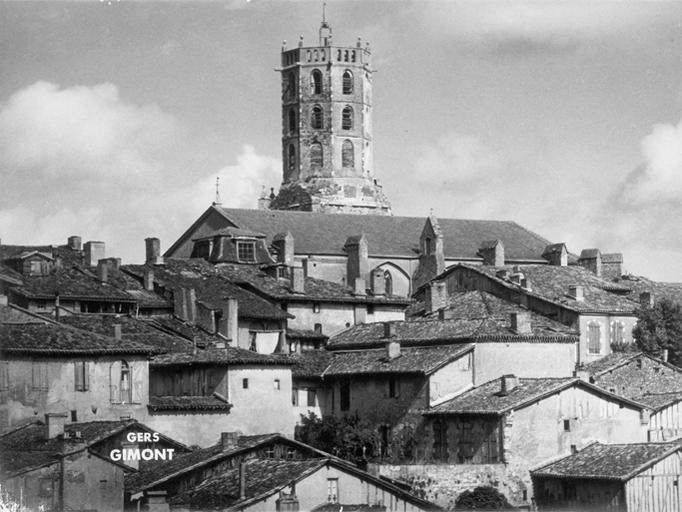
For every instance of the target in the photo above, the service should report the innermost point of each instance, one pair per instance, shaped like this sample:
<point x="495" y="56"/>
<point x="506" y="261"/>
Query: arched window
<point x="347" y="82"/>
<point x="316" y="155"/>
<point x="347" y="154"/>
<point x="291" y="156"/>
<point x="388" y="283"/>
<point x="347" y="118"/>
<point x="345" y="55"/>
<point x="292" y="121"/>
<point x="316" y="81"/>
<point x="316" y="118"/>
<point x="593" y="338"/>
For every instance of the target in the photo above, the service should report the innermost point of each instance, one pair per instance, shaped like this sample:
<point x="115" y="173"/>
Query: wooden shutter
<point x="4" y="375"/>
<point x="78" y="375"/>
<point x="114" y="381"/>
<point x="135" y="384"/>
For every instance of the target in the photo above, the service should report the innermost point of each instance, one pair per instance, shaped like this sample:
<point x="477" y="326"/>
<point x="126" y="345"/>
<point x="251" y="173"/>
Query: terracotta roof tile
<point x="228" y="355"/>
<point x="310" y="364"/>
<point x="187" y="403"/>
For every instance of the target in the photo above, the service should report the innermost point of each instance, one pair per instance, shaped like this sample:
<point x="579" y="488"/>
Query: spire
<point x="217" y="201"/>
<point x="325" y="28"/>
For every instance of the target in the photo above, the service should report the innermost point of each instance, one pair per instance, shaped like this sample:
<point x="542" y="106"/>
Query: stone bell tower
<point x="327" y="129"/>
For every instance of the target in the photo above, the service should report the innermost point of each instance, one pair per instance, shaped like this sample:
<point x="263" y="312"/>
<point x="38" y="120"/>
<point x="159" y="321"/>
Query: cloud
<point x="83" y="160"/>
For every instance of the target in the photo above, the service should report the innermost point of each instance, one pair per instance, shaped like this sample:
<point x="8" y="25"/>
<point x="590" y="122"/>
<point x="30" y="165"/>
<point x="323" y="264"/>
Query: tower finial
<point x="324" y="17"/>
<point x="325" y="29"/>
<point x="217" y="201"/>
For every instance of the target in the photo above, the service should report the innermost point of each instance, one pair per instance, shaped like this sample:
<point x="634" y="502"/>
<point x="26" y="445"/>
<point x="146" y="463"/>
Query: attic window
<point x="246" y="251"/>
<point x="245" y="383"/>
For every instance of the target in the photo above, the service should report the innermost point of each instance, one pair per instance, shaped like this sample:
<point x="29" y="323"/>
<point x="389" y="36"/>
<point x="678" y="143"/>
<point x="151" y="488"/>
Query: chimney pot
<point x="228" y="326"/>
<point x="229" y="440"/>
<point x="508" y="383"/>
<point x="74" y="243"/>
<point x="435" y="297"/>
<point x="378" y="283"/>
<point x="117" y="332"/>
<point x="392" y="349"/>
<point x="55" y="424"/>
<point x="576" y="292"/>
<point x="93" y="252"/>
<point x="153" y="251"/>
<point x="297" y="279"/>
<point x="148" y="279"/>
<point x="242" y="480"/>
<point x="103" y="271"/>
<point x="359" y="287"/>
<point x="357" y="262"/>
<point x="520" y="322"/>
<point x="664" y="355"/>
<point x="283" y="243"/>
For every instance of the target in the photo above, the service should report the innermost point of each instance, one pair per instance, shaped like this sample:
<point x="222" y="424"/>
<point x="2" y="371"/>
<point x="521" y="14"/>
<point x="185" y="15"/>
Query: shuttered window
<point x="440" y="440"/>
<point x="594" y="338"/>
<point x="39" y="376"/>
<point x="81" y="376"/>
<point x="347" y="118"/>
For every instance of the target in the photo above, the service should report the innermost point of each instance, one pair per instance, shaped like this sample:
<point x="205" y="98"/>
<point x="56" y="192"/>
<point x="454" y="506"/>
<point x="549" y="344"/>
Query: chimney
<point x="191" y="301"/>
<point x="229" y="321"/>
<point x="525" y="284"/>
<point x="520" y="323"/>
<point x="556" y="254"/>
<point x="502" y="274"/>
<point x="117" y="332"/>
<point x="591" y="260"/>
<point x="492" y="252"/>
<point x="431" y="253"/>
<point x="283" y="243"/>
<point x="359" y="287"/>
<point x="508" y="383"/>
<point x="242" y="480"/>
<point x="517" y="278"/>
<point x="389" y="329"/>
<point x="574" y="449"/>
<point x="297" y="279"/>
<point x="576" y="292"/>
<point x="74" y="243"/>
<point x="612" y="265"/>
<point x="288" y="502"/>
<point x="646" y="300"/>
<point x="357" y="262"/>
<point x="392" y="349"/>
<point x="153" y="251"/>
<point x="93" y="252"/>
<point x="103" y="271"/>
<point x="55" y="424"/>
<point x="664" y="355"/>
<point x="229" y="440"/>
<point x="148" y="279"/>
<point x="180" y="304"/>
<point x="435" y="297"/>
<point x="378" y="282"/>
<point x="157" y="501"/>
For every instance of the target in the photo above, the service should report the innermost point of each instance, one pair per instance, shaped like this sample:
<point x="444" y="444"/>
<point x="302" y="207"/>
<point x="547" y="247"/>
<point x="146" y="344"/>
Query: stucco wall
<point x="335" y="317"/>
<point x="452" y="379"/>
<point x="193" y="428"/>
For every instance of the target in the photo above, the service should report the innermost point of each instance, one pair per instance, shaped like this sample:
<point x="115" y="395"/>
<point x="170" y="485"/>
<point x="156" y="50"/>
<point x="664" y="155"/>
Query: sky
<point x="116" y="117"/>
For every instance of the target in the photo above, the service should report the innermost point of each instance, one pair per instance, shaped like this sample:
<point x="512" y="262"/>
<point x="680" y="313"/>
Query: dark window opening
<point x="440" y="440"/>
<point x="594" y="339"/>
<point x="316" y="119"/>
<point x="245" y="383"/>
<point x="388" y="283"/>
<point x="292" y="121"/>
<point x="393" y="387"/>
<point x="345" y="395"/>
<point x="312" y="397"/>
<point x="291" y="156"/>
<point x="246" y="251"/>
<point x="567" y="425"/>
<point x="74" y="416"/>
<point x="347" y="118"/>
<point x="316" y="82"/>
<point x="318" y="328"/>
<point x="347" y="87"/>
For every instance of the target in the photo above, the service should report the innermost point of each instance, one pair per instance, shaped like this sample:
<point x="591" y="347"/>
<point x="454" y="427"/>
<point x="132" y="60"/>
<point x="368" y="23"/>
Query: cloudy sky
<point x="116" y="117"/>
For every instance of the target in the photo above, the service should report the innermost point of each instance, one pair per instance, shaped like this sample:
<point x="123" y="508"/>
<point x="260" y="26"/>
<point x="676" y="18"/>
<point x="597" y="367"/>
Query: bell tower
<point x="327" y="129"/>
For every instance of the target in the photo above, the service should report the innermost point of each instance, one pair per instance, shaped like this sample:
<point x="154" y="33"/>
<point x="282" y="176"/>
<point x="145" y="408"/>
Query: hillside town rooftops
<point x="419" y="361"/>
<point x="608" y="461"/>
<point x="228" y="355"/>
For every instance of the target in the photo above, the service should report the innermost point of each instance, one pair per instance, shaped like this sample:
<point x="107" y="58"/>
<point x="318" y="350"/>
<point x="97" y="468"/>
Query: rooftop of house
<point x="210" y="286"/>
<point x="315" y="290"/>
<point x="310" y="364"/>
<point x="551" y="283"/>
<point x="489" y="398"/>
<point x="228" y="355"/>
<point x="16" y="315"/>
<point x="419" y="361"/>
<point x="68" y="255"/>
<point x="188" y="403"/>
<point x="10" y="275"/>
<point x="473" y="328"/>
<point x="62" y="340"/>
<point x="659" y="290"/>
<point x="609" y="461"/>
<point x="319" y="233"/>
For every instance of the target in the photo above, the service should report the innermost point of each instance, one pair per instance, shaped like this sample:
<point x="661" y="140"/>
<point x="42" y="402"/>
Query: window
<point x="318" y="328"/>
<point x="316" y="118"/>
<point x="278" y="384"/>
<point x="316" y="82"/>
<point x="440" y="440"/>
<point x="345" y="395"/>
<point x="593" y="338"/>
<point x="347" y="118"/>
<point x="567" y="425"/>
<point x="618" y="332"/>
<point x="427" y="246"/>
<point x="39" y="376"/>
<point x="347" y="154"/>
<point x="82" y="375"/>
<point x="388" y="283"/>
<point x="333" y="490"/>
<point x="4" y="375"/>
<point x="292" y="84"/>
<point x="292" y="121"/>
<point x="312" y="397"/>
<point x="347" y="87"/>
<point x="291" y="156"/>
<point x="393" y="387"/>
<point x="126" y="388"/>
<point x="245" y="383"/>
<point x="246" y="251"/>
<point x="316" y="307"/>
<point x="74" y="416"/>
<point x="294" y="396"/>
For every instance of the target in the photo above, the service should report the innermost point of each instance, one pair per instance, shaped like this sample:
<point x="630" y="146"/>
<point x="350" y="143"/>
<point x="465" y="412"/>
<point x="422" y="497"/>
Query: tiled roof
<point x="187" y="403"/>
<point x="15" y="315"/>
<point x="659" y="290"/>
<point x="177" y="328"/>
<point x="210" y="286"/>
<point x="454" y="330"/>
<point x="228" y="355"/>
<point x="263" y="478"/>
<point x="343" y="507"/>
<point x="306" y="334"/>
<point x="609" y="461"/>
<point x="314" y="289"/>
<point x="63" y="340"/>
<point x="10" y="275"/>
<point x="610" y="362"/>
<point x="310" y="364"/>
<point x="319" y="233"/>
<point x="658" y="401"/>
<point x="233" y="232"/>
<point x="551" y="283"/>
<point x="423" y="361"/>
<point x="488" y="399"/>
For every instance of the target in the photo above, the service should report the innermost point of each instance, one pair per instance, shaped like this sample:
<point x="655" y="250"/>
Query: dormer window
<point x="246" y="251"/>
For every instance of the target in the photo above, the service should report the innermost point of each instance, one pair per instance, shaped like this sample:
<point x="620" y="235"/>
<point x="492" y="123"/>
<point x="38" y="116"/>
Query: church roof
<point x="323" y="233"/>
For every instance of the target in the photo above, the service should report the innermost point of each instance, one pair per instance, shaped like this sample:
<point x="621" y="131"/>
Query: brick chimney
<point x="153" y="251"/>
<point x="55" y="424"/>
<point x="117" y="332"/>
<point x="389" y="329"/>
<point x="612" y="265"/>
<point x="180" y="304"/>
<point x="392" y="349"/>
<point x="359" y="287"/>
<point x="591" y="260"/>
<point x="492" y="252"/>
<point x="508" y="383"/>
<point x="556" y="254"/>
<point x="378" y="282"/>
<point x="74" y="243"/>
<point x="148" y="279"/>
<point x="575" y="291"/>
<point x="283" y="243"/>
<point x="357" y="262"/>
<point x="520" y="322"/>
<point x="435" y="297"/>
<point x="297" y="279"/>
<point x="229" y="321"/>
<point x="229" y="440"/>
<point x="93" y="252"/>
<point x="103" y="271"/>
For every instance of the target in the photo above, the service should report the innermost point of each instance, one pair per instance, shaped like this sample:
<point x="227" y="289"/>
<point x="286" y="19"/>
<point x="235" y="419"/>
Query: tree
<point x="660" y="328"/>
<point x="482" y="498"/>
